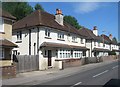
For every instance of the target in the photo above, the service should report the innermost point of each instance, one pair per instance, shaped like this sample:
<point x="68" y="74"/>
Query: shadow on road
<point x="113" y="83"/>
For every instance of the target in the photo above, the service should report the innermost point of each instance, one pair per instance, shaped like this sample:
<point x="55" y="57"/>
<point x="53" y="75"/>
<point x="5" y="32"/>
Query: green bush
<point x="111" y="53"/>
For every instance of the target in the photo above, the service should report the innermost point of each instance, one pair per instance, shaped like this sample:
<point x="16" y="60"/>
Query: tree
<point x="17" y="9"/>
<point x="72" y="21"/>
<point x="114" y="40"/>
<point x="38" y="7"/>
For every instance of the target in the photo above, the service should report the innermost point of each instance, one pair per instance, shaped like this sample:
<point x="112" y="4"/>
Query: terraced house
<point x="48" y="36"/>
<point x="97" y="44"/>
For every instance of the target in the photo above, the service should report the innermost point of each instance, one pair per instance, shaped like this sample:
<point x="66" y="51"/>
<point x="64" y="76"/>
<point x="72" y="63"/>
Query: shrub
<point x="111" y="53"/>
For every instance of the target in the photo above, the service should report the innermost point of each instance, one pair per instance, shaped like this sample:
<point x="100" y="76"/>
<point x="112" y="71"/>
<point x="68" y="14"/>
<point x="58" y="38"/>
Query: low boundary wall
<point x="65" y="63"/>
<point x="8" y="71"/>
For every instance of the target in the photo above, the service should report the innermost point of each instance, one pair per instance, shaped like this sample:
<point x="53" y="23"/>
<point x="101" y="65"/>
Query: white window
<point x="98" y="44"/>
<point x="82" y="41"/>
<point x="74" y="39"/>
<point x="47" y="33"/>
<point x="19" y="35"/>
<point x="1" y="24"/>
<point x="1" y="53"/>
<point x="61" y="36"/>
<point x="95" y="43"/>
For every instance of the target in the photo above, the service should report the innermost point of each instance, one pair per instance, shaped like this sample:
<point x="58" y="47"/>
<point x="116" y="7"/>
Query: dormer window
<point x="47" y="33"/>
<point x="61" y="36"/>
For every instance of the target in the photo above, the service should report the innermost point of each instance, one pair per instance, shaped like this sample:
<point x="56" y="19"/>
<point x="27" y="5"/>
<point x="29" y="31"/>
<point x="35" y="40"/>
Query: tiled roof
<point x="58" y="45"/>
<point x="41" y="18"/>
<point x="6" y="14"/>
<point x="6" y="43"/>
<point x="88" y="33"/>
<point x="108" y="40"/>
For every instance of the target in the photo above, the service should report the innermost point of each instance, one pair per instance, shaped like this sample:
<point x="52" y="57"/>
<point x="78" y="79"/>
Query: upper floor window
<point x="82" y="41"/>
<point x="19" y="35"/>
<point x="1" y="24"/>
<point x="98" y="44"/>
<point x="103" y="45"/>
<point x="47" y="33"/>
<point x="74" y="39"/>
<point x="61" y="36"/>
<point x="95" y="43"/>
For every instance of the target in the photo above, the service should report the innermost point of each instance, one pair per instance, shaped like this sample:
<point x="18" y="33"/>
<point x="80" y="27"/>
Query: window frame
<point x="47" y="32"/>
<point x="19" y="35"/>
<point x="60" y="36"/>
<point x="2" y="25"/>
<point x="82" y="41"/>
<point x="3" y="53"/>
<point x="74" y="39"/>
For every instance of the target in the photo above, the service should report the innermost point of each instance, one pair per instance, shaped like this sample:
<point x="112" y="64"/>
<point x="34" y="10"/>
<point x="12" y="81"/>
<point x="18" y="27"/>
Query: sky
<point x="104" y="15"/>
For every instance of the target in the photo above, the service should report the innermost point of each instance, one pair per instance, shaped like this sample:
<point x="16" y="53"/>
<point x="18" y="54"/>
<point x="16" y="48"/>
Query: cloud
<point x="86" y="7"/>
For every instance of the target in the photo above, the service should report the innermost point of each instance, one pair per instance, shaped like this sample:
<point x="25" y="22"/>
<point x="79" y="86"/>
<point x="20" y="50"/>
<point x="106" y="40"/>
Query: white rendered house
<point x="48" y="36"/>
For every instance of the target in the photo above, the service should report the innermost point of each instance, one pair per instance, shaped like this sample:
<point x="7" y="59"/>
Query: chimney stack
<point x="110" y="36"/>
<point x="95" y="31"/>
<point x="59" y="17"/>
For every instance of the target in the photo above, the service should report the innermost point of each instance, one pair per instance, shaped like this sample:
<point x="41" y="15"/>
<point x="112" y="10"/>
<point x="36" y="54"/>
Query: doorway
<point x="49" y="57"/>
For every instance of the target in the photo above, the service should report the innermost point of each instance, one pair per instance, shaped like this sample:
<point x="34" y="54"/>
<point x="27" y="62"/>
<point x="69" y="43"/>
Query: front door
<point x="49" y="57"/>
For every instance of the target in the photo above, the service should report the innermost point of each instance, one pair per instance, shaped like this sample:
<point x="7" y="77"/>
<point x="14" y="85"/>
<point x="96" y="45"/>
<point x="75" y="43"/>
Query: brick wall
<point x="73" y="62"/>
<point x="8" y="71"/>
<point x="108" y="58"/>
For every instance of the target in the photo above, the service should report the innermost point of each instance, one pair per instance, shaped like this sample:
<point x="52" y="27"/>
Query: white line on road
<point x="76" y="84"/>
<point x="100" y="73"/>
<point x="114" y="67"/>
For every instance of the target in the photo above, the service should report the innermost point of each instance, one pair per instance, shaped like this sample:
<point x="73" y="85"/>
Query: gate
<point x="27" y="63"/>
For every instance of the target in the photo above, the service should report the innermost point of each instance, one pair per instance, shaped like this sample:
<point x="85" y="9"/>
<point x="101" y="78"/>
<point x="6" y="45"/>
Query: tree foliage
<point x="114" y="40"/>
<point x="72" y="21"/>
<point x="17" y="9"/>
<point x="38" y="7"/>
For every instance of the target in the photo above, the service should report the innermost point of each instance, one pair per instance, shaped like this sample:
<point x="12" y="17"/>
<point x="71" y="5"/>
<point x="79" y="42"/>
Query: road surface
<point x="97" y="76"/>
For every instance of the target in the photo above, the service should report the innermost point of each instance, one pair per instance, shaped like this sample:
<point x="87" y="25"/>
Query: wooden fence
<point x="27" y="63"/>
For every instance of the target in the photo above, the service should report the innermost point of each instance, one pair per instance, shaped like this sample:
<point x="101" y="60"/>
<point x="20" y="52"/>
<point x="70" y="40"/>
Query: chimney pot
<point x="95" y="28"/>
<point x="58" y="11"/>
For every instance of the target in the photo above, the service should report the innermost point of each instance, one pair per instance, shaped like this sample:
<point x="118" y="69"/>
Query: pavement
<point x="39" y="77"/>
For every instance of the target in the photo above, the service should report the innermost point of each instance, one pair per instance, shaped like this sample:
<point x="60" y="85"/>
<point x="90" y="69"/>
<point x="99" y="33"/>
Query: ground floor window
<point x="62" y="53"/>
<point x="1" y="53"/>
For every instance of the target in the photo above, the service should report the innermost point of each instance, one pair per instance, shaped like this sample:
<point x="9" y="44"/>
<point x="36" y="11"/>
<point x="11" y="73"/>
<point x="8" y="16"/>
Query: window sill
<point x="19" y="41"/>
<point x="61" y="39"/>
<point x="74" y="42"/>
<point x="82" y="43"/>
<point x="48" y="37"/>
<point x="2" y="32"/>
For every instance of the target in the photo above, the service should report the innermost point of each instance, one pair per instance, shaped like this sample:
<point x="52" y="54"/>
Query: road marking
<point x="114" y="67"/>
<point x="76" y="84"/>
<point x="100" y="73"/>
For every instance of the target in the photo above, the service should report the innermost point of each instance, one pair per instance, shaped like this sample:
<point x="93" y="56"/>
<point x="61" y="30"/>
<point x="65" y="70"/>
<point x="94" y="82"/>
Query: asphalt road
<point x="97" y="76"/>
